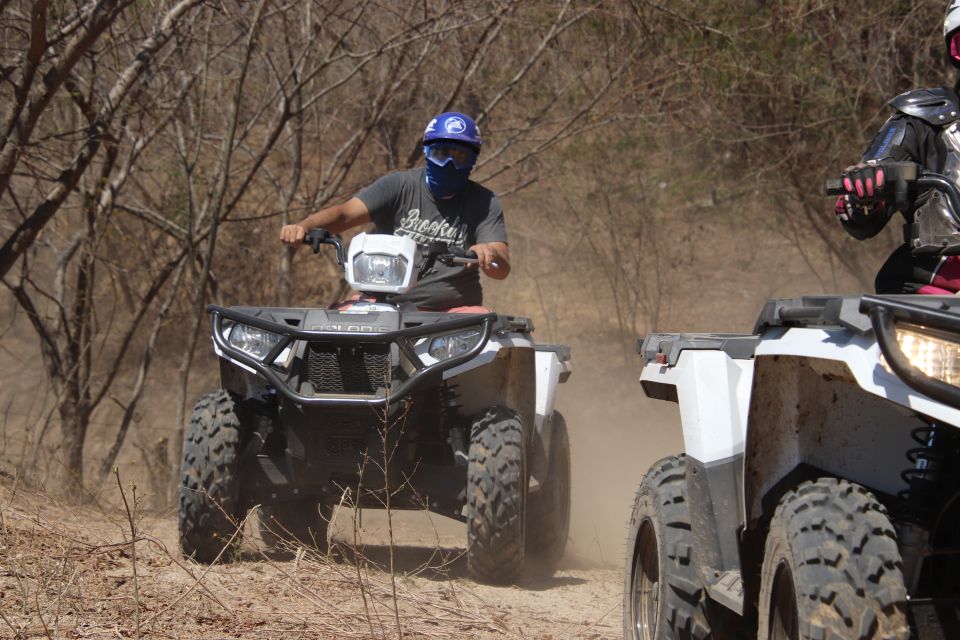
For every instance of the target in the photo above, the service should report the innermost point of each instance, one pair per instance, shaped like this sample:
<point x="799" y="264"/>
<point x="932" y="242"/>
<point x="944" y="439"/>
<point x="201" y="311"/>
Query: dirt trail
<point x="65" y="573"/>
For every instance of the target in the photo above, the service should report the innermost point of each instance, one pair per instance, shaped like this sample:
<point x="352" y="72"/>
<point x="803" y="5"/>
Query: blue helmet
<point x="453" y="126"/>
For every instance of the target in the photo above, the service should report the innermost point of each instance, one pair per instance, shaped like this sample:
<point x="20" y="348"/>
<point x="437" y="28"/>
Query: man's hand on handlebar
<point x="293" y="234"/>
<point x="493" y="259"/>
<point x="880" y="183"/>
<point x="864" y="182"/>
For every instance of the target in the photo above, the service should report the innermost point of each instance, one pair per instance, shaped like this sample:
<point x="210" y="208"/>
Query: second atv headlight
<point x="379" y="270"/>
<point x="453" y="344"/>
<point x="252" y="340"/>
<point x="935" y="353"/>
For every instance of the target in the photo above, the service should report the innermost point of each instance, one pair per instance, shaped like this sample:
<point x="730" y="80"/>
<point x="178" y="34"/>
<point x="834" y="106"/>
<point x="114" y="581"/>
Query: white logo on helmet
<point x="432" y="126"/>
<point x="455" y="125"/>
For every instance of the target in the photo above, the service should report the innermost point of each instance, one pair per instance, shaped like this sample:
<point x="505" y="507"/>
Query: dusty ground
<point x="69" y="572"/>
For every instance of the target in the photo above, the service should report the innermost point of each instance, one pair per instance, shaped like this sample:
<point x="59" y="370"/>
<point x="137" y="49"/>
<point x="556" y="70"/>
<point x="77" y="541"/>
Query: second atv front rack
<point x="486" y="323"/>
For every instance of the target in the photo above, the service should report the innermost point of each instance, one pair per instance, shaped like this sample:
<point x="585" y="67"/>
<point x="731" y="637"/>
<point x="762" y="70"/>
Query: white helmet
<point x="951" y="32"/>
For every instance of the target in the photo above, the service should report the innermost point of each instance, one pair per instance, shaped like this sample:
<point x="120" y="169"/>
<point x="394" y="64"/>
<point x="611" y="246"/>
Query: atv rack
<point x="860" y="314"/>
<point x="431" y="324"/>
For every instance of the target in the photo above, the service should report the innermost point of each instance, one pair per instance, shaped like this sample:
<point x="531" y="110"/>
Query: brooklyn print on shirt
<point x="426" y="231"/>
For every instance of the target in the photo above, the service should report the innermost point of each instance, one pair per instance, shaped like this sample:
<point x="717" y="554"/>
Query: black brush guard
<point x="402" y="337"/>
<point x="884" y="314"/>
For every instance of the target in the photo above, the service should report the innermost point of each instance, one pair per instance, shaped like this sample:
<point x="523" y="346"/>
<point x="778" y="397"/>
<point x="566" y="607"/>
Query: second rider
<point x="925" y="129"/>
<point x="437" y="202"/>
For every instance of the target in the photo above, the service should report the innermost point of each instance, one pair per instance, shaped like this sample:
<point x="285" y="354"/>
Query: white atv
<point x="448" y="411"/>
<point x="819" y="494"/>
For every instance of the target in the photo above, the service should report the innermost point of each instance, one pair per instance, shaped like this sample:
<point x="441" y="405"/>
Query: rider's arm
<point x="494" y="258"/>
<point x="335" y="219"/>
<point x="490" y="240"/>
<point x="902" y="138"/>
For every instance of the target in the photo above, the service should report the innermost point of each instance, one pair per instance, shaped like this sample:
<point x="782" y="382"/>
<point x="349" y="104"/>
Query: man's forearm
<point x="333" y="219"/>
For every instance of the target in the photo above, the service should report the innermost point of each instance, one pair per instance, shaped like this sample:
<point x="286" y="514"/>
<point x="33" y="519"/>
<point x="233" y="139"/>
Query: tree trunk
<point x="74" y="421"/>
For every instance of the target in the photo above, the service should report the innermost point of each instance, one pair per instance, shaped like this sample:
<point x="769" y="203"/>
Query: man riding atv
<point x="411" y="398"/>
<point x="924" y="129"/>
<point x="436" y="203"/>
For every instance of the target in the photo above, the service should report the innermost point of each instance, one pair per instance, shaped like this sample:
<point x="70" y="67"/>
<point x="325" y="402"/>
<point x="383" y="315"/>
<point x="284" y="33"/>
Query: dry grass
<point x="71" y="572"/>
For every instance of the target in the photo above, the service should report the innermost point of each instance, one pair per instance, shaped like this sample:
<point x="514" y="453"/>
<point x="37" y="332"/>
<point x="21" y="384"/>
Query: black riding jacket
<point x="915" y="133"/>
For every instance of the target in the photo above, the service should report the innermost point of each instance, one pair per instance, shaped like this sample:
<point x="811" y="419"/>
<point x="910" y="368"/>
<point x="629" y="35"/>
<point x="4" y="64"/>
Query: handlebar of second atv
<point x="318" y="236"/>
<point x="467" y="257"/>
<point x="900" y="183"/>
<point x="903" y="182"/>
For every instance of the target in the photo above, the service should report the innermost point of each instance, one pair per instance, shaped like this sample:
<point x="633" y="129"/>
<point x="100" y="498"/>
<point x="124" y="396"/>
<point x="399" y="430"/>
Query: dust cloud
<point x="616" y="433"/>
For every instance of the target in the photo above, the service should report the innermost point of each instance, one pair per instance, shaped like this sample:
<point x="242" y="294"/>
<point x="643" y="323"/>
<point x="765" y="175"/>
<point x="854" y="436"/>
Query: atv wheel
<point x="302" y="522"/>
<point x="662" y="596"/>
<point x="496" y="496"/>
<point x="209" y="488"/>
<point x="831" y="567"/>
<point x="548" y="510"/>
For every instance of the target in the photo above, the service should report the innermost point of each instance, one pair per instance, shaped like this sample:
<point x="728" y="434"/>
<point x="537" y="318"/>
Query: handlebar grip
<point x="316" y="237"/>
<point x="834" y="188"/>
<point x="459" y="256"/>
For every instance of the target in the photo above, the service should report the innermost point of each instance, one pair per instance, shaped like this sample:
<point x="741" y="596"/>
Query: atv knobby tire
<point x="209" y="487"/>
<point x="662" y="595"/>
<point x="496" y="496"/>
<point x="831" y="567"/>
<point x="548" y="510"/>
<point x="299" y="522"/>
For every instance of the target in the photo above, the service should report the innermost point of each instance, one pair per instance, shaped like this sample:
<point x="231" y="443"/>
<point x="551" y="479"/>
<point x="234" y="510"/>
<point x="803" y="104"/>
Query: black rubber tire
<point x="496" y="496"/>
<point x="548" y="510"/>
<point x="662" y="595"/>
<point x="831" y="567"/>
<point x="302" y="522"/>
<point x="210" y="487"/>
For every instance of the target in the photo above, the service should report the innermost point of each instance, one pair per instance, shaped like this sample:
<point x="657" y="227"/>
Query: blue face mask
<point x="445" y="180"/>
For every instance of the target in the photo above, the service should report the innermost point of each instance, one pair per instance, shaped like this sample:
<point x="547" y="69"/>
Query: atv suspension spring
<point x="453" y="423"/>
<point x="449" y="402"/>
<point x="923" y="478"/>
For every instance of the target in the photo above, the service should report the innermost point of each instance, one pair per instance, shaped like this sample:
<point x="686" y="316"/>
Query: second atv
<point x="453" y="412"/>
<point x="819" y="493"/>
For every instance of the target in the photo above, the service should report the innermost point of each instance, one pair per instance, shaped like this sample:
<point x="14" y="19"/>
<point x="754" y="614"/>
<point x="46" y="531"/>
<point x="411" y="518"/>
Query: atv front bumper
<point x="420" y="373"/>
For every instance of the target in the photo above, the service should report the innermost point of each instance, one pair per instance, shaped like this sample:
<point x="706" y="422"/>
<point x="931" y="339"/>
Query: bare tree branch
<point x="27" y="231"/>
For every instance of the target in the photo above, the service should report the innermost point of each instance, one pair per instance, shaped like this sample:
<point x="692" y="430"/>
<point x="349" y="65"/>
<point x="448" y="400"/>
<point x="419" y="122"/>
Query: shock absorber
<point x="923" y="478"/>
<point x="453" y="422"/>
<point x="931" y="500"/>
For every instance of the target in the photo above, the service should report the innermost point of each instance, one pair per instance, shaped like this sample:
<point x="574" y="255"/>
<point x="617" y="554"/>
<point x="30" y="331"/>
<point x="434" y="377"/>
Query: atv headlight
<point x="374" y="269"/>
<point x="256" y="342"/>
<point x="453" y="344"/>
<point x="935" y="353"/>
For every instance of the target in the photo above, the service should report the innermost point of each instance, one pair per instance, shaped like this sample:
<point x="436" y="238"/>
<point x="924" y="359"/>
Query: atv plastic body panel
<point x="820" y="385"/>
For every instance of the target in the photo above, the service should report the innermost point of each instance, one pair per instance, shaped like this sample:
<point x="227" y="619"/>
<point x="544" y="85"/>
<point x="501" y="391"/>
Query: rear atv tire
<point x="548" y="510"/>
<point x="496" y="496"/>
<point x="302" y="522"/>
<point x="209" y="489"/>
<point x="662" y="596"/>
<point x="831" y="567"/>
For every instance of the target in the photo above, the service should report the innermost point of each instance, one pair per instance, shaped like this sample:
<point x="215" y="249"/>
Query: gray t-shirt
<point x="401" y="204"/>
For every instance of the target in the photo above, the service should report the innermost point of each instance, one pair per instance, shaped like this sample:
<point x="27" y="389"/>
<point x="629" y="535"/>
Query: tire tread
<point x="495" y="497"/>
<point x="847" y="571"/>
<point x="209" y="487"/>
